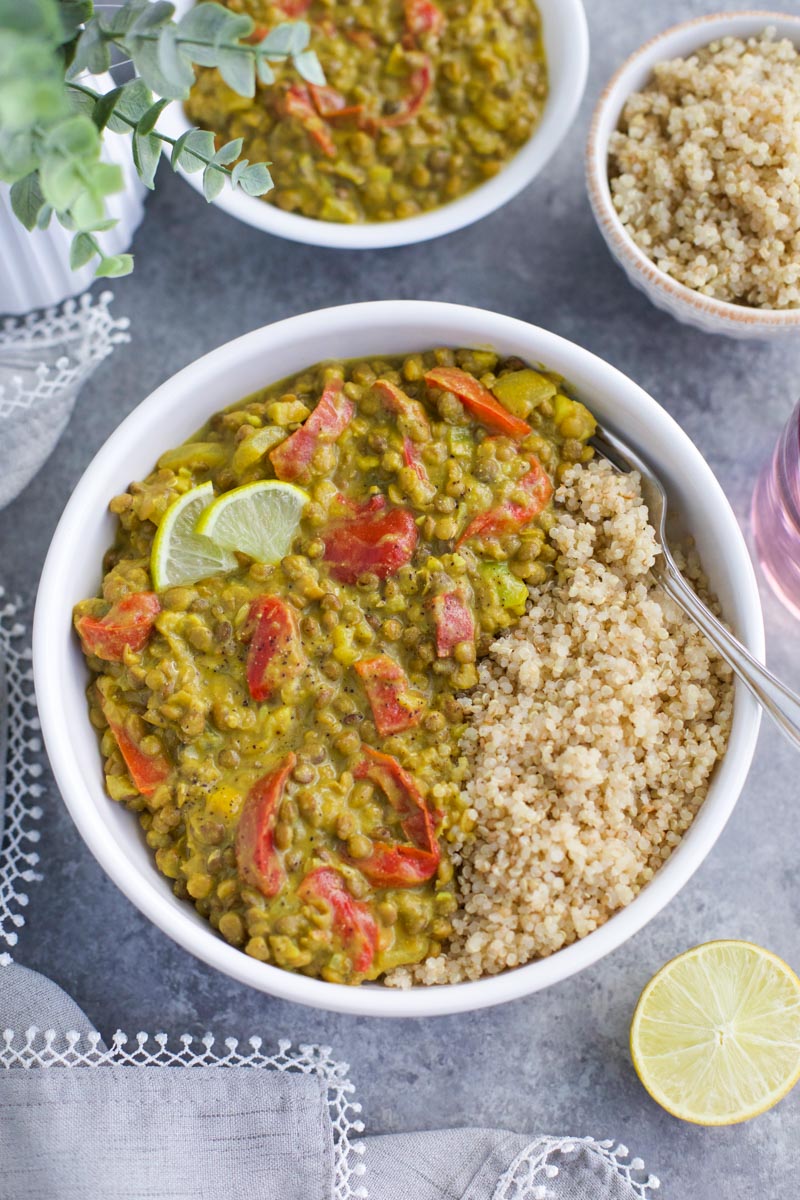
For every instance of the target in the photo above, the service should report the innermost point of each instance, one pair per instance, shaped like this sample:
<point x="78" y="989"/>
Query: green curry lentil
<point x="423" y="102"/>
<point x="310" y="825"/>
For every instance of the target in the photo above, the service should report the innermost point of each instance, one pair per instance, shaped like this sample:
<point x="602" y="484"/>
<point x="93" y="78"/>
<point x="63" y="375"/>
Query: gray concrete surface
<point x="557" y="1061"/>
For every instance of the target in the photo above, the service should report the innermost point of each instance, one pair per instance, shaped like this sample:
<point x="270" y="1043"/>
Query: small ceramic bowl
<point x="566" y="41"/>
<point x="179" y="407"/>
<point x="683" y="303"/>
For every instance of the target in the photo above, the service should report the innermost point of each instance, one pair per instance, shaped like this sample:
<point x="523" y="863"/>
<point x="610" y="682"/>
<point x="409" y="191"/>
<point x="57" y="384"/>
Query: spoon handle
<point x="782" y="704"/>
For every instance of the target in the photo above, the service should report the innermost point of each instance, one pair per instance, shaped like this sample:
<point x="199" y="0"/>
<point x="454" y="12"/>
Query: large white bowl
<point x="566" y="41"/>
<point x="681" y="302"/>
<point x="73" y="571"/>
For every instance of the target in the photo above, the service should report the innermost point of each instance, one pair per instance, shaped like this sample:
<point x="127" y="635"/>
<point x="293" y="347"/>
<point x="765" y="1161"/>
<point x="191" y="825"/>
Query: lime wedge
<point x="179" y="555"/>
<point x="259" y="519"/>
<point x="715" y="1038"/>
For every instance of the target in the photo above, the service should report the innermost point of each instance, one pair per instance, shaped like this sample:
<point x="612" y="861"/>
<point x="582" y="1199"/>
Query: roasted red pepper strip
<point x="297" y="103"/>
<point x="362" y="38"/>
<point x="396" y="401"/>
<point x="478" y="400"/>
<point x="126" y="626"/>
<point x="258" y="35"/>
<point x="148" y="771"/>
<point x="294" y="8"/>
<point x="382" y="543"/>
<point x="511" y="516"/>
<point x="256" y="857"/>
<point x="453" y="620"/>
<point x="420" y="82"/>
<point x="422" y="16"/>
<point x="325" y="424"/>
<point x="331" y="104"/>
<point x="394" y="706"/>
<point x="353" y="923"/>
<point x="400" y="865"/>
<point x="276" y="651"/>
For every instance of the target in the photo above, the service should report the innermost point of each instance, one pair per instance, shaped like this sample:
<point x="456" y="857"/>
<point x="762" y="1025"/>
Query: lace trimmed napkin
<point x="201" y="1119"/>
<point x="45" y="358"/>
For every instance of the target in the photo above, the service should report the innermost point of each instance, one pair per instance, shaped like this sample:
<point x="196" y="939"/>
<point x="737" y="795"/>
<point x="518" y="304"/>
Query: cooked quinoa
<point x="593" y="733"/>
<point x="705" y="170"/>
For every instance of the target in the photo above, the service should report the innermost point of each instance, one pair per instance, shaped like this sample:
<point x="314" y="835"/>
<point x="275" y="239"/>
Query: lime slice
<point x="179" y="555"/>
<point x="259" y="519"/>
<point x="715" y="1038"/>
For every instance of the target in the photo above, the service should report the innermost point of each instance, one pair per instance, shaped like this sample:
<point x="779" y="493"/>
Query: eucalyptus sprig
<point x="52" y="122"/>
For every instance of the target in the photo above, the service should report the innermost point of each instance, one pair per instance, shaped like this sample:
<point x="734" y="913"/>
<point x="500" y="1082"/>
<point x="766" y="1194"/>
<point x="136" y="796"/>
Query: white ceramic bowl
<point x="73" y="570"/>
<point x="566" y="40"/>
<point x="688" y="306"/>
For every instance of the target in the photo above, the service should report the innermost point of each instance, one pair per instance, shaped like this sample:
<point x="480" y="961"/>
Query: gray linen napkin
<point x="203" y="1132"/>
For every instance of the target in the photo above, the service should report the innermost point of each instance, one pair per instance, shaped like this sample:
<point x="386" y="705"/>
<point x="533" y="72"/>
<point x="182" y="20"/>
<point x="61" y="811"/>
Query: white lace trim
<point x="84" y="332"/>
<point x="18" y="858"/>
<point x="37" y="1048"/>
<point x="524" y="1178"/>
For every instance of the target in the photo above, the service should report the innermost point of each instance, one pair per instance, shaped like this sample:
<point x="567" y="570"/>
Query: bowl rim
<point x="708" y="27"/>
<point x="53" y="659"/>
<point x="560" y="109"/>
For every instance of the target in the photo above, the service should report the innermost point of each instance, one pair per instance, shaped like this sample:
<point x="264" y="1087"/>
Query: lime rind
<point x="180" y="556"/>
<point x="715" y="1038"/>
<point x="258" y="519"/>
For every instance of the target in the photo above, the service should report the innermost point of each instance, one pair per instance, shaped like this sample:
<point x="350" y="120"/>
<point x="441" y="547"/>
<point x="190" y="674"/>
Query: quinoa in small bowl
<point x="693" y="168"/>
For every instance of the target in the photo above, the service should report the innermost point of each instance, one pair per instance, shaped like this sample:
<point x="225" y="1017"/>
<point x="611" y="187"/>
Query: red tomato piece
<point x="352" y="921"/>
<point x="331" y="104"/>
<point x="478" y="400"/>
<point x="394" y="706"/>
<point x="396" y="401"/>
<point x="126" y="626"/>
<point x="258" y="35"/>
<point x="376" y="503"/>
<point x="510" y="516"/>
<point x="322" y="427"/>
<point x="276" y="651"/>
<point x="297" y="103"/>
<point x="148" y="771"/>
<point x="294" y="8"/>
<point x="257" y="859"/>
<point x="420" y="82"/>
<point x="400" y="865"/>
<point x="380" y="542"/>
<point x="412" y="459"/>
<point x="422" y="16"/>
<point x="454" y="622"/>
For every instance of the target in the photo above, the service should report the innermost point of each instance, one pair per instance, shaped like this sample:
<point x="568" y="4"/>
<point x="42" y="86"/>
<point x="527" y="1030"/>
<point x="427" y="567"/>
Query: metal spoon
<point x="782" y="704"/>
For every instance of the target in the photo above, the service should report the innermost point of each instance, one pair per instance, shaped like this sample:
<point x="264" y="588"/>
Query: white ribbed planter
<point x="34" y="267"/>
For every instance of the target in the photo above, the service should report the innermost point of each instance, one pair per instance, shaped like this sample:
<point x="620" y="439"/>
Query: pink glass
<point x="776" y="516"/>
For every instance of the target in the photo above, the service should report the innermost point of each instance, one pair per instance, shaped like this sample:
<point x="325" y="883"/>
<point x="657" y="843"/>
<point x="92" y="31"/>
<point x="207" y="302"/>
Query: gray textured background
<point x="558" y="1061"/>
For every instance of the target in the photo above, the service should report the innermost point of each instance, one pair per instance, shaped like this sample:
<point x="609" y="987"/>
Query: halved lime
<point x="715" y="1038"/>
<point x="180" y="555"/>
<point x="259" y="519"/>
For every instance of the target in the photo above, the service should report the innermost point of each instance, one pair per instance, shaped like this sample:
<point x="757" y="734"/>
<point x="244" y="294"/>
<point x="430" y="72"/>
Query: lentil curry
<point x="423" y="102"/>
<point x="289" y="733"/>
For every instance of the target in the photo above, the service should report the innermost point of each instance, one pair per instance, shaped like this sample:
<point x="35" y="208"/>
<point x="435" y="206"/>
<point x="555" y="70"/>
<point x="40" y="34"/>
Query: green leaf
<point x="134" y="101"/>
<point x="146" y="155"/>
<point x="238" y="171"/>
<point x="265" y="71"/>
<point x="146" y="56"/>
<point x="75" y="138"/>
<point x="213" y="182"/>
<point x="79" y="102"/>
<point x="88" y="209"/>
<point x="114" y="266"/>
<point x="147" y="123"/>
<point x="103" y="107"/>
<point x="105" y="178"/>
<point x="211" y="23"/>
<point x="301" y="36"/>
<point x="153" y="17"/>
<point x="229" y="152"/>
<point x="193" y="150"/>
<point x="279" y="42"/>
<point x="256" y="180"/>
<point x="27" y="200"/>
<point x="91" y="52"/>
<point x="61" y="182"/>
<point x="238" y="69"/>
<point x="44" y="217"/>
<point x="73" y="13"/>
<point x="38" y="18"/>
<point x="175" y="65"/>
<point x="117" y="23"/>
<point x="104" y="225"/>
<point x="82" y="249"/>
<point x="308" y="67"/>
